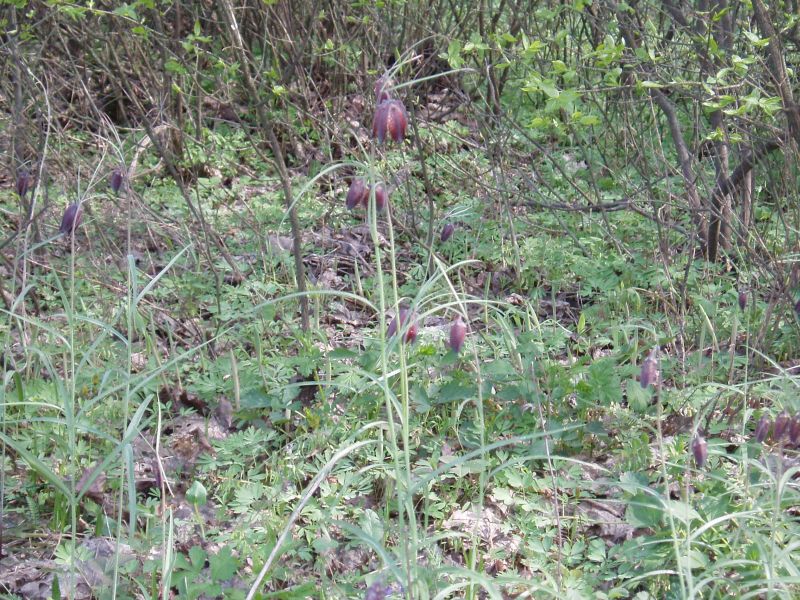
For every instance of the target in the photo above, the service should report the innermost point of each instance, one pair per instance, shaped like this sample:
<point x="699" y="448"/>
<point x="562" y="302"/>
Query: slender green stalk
<point x="403" y="475"/>
<point x="683" y="566"/>
<point x="132" y="295"/>
<point x="69" y="415"/>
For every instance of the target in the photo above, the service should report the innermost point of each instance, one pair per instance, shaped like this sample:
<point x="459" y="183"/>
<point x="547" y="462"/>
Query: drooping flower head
<point x="781" y="425"/>
<point x="390" y="118"/>
<point x="794" y="429"/>
<point x="458" y="333"/>
<point x="71" y="219"/>
<point x="699" y="450"/>
<point x="649" y="372"/>
<point x="116" y="179"/>
<point x="23" y="182"/>
<point x="762" y="428"/>
<point x="358" y="194"/>
<point x="447" y="232"/>
<point x="397" y="324"/>
<point x="381" y="196"/>
<point x="742" y="299"/>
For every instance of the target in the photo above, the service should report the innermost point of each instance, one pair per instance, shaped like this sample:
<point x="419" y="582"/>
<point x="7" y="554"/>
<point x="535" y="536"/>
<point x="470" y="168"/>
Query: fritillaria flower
<point x="23" y="182"/>
<point x="762" y="429"/>
<point x="742" y="299"/>
<point x="649" y="373"/>
<point x="397" y="324"/>
<point x="781" y="425"/>
<point x="458" y="332"/>
<point x="794" y="429"/>
<point x="447" y="232"/>
<point x="699" y="450"/>
<point x="377" y="591"/>
<point x="390" y="119"/>
<point x="224" y="413"/>
<point x="381" y="196"/>
<point x="357" y="194"/>
<point x="117" y="177"/>
<point x="71" y="219"/>
<point x="411" y="333"/>
<point x="392" y="329"/>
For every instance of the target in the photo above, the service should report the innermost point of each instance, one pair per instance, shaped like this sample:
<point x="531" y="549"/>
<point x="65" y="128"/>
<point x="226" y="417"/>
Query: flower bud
<point x="376" y="592"/>
<point x="458" y="332"/>
<point x="699" y="450"/>
<point x="391" y="118"/>
<point x="357" y="194"/>
<point x="781" y="425"/>
<point x="71" y="219"/>
<point x="794" y="429"/>
<point x="117" y="177"/>
<point x="224" y="413"/>
<point x="447" y="232"/>
<point x="23" y="182"/>
<point x="381" y="196"/>
<point x="742" y="299"/>
<point x="762" y="429"/>
<point x="392" y="329"/>
<point x="411" y="333"/>
<point x="396" y="325"/>
<point x="649" y="372"/>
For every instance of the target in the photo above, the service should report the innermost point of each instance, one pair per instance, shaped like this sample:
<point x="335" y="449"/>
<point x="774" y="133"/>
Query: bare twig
<point x="280" y="163"/>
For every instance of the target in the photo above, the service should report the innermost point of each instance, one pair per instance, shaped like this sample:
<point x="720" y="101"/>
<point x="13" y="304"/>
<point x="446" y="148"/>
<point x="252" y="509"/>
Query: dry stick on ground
<point x="280" y="164"/>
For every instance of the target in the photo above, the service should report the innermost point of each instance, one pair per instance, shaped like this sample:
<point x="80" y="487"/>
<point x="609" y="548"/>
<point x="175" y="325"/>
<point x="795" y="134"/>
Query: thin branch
<point x="280" y="163"/>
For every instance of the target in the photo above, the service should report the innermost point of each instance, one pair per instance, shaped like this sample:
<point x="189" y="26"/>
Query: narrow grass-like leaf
<point x="37" y="465"/>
